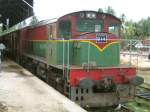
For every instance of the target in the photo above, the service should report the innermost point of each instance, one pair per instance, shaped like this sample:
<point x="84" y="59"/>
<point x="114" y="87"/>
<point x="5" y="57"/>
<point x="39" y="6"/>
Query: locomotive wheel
<point x="29" y="65"/>
<point x="38" y="70"/>
<point x="48" y="77"/>
<point x="18" y="59"/>
<point x="23" y="61"/>
<point x="41" y="71"/>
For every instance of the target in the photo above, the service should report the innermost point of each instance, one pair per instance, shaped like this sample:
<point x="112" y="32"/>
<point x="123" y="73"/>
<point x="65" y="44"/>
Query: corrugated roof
<point x="15" y="10"/>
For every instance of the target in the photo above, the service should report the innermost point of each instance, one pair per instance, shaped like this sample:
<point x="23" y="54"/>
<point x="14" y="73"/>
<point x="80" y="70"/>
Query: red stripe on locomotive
<point x="119" y="75"/>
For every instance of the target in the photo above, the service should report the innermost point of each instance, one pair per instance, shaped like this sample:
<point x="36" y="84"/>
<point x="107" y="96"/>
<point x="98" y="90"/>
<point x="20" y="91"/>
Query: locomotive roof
<point x="48" y="21"/>
<point x="40" y="23"/>
<point x="45" y="22"/>
<point x="98" y="13"/>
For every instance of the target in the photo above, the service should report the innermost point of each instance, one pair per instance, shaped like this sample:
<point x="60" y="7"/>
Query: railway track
<point x="141" y="101"/>
<point x="125" y="109"/>
<point x="146" y="86"/>
<point x="122" y="108"/>
<point x="144" y="92"/>
<point x="145" y="96"/>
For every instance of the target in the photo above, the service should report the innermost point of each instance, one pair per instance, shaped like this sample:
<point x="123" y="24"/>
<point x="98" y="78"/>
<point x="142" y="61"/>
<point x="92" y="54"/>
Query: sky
<point x="133" y="9"/>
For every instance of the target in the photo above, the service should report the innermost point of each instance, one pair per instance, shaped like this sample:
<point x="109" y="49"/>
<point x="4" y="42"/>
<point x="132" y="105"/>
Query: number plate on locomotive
<point x="101" y="38"/>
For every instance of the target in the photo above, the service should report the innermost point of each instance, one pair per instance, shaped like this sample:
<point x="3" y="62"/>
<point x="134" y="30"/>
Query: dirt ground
<point x="138" y="61"/>
<point x="20" y="91"/>
<point x="141" y="62"/>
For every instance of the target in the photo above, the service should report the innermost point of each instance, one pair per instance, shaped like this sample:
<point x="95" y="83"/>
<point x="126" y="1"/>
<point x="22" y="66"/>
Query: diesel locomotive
<point x="79" y="55"/>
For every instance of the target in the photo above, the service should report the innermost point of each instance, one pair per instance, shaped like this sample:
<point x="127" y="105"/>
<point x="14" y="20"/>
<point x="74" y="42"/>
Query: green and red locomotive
<point x="79" y="55"/>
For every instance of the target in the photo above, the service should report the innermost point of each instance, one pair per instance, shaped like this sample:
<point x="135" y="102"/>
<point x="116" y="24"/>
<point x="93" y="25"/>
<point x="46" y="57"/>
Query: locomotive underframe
<point x="86" y="97"/>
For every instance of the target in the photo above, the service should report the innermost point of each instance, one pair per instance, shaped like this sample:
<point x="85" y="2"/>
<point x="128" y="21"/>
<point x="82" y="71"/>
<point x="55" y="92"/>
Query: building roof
<point x="15" y="10"/>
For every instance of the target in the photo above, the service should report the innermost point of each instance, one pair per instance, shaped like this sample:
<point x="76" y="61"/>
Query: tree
<point x="110" y="10"/>
<point x="22" y="24"/>
<point x="34" y="20"/>
<point x="142" y="28"/>
<point x="123" y="17"/>
<point x="100" y="10"/>
<point x="148" y="24"/>
<point x="130" y="29"/>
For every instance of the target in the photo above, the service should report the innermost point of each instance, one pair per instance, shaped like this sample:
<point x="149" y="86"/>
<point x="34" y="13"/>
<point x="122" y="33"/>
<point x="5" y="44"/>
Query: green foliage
<point x="130" y="29"/>
<point x="138" y="30"/>
<point x="110" y="10"/>
<point x="100" y="10"/>
<point x="122" y="17"/>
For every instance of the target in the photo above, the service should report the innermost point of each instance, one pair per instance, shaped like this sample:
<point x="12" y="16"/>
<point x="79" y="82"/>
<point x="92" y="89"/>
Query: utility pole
<point x="2" y="24"/>
<point x="7" y="23"/>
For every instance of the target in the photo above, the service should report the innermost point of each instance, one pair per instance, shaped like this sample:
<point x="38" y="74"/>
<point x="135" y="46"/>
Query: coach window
<point x="65" y="29"/>
<point x="114" y="29"/>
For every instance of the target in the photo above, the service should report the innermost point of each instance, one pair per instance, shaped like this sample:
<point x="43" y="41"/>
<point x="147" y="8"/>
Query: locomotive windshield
<point x="89" y="25"/>
<point x="114" y="29"/>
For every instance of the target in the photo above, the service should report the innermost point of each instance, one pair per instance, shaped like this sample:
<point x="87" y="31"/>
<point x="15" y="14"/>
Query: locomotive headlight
<point x="91" y="15"/>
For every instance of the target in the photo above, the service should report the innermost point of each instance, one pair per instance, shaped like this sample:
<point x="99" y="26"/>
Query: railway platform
<point x="21" y="91"/>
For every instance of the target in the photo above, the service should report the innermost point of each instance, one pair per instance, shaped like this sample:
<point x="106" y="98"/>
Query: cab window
<point x="89" y="25"/>
<point x="114" y="29"/>
<point x="65" y="29"/>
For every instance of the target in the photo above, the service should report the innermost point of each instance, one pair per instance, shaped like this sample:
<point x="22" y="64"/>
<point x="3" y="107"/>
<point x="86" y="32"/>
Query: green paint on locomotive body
<point x="37" y="48"/>
<point x="57" y="52"/>
<point x="56" y="55"/>
<point x="90" y="54"/>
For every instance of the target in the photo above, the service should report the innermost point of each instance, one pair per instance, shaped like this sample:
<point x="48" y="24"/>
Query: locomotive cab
<point x="83" y="22"/>
<point x="85" y="29"/>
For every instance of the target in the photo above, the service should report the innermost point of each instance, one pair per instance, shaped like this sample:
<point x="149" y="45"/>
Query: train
<point x="79" y="55"/>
